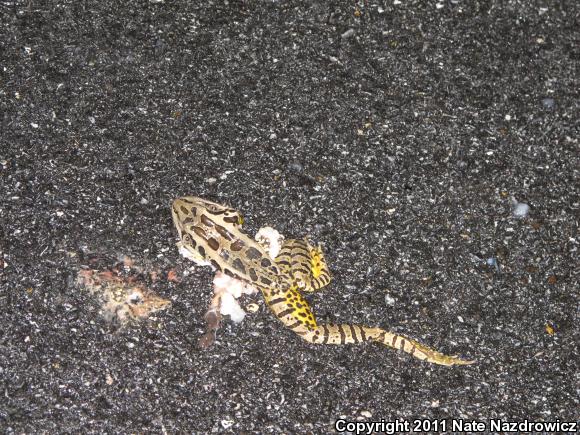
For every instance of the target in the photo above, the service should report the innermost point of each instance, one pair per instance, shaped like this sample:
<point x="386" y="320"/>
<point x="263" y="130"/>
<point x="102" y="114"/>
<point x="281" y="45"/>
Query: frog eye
<point x="240" y="219"/>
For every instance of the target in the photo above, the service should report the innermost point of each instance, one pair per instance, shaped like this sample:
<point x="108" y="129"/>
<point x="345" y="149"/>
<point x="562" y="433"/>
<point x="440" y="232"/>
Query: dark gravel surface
<point x="394" y="133"/>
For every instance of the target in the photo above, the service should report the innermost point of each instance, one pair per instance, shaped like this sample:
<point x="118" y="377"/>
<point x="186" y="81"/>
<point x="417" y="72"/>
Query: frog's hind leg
<point x="304" y="263"/>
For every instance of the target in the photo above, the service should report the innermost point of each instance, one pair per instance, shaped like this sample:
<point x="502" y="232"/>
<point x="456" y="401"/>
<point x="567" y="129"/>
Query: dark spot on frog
<point x="237" y="245"/>
<point x="200" y="232"/>
<point x="213" y="244"/>
<point x="215" y="210"/>
<point x="265" y="262"/>
<point x="232" y="274"/>
<point x="206" y="221"/>
<point x="232" y="219"/>
<point x="225" y="254"/>
<point x="224" y="233"/>
<point x="184" y="209"/>
<point x="253" y="254"/>
<point x="238" y="265"/>
<point x="201" y="251"/>
<point x="253" y="275"/>
<point x="216" y="265"/>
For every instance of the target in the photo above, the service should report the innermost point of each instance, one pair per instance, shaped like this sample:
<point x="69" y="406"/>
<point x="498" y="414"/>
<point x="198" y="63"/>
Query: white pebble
<point x="519" y="209"/>
<point x="347" y="34"/>
<point x="226" y="424"/>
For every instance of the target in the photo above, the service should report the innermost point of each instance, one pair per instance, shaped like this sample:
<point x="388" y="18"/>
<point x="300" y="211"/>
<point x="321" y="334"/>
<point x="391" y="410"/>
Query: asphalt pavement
<point x="430" y="147"/>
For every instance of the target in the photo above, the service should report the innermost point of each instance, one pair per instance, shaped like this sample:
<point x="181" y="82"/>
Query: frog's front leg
<point x="213" y="318"/>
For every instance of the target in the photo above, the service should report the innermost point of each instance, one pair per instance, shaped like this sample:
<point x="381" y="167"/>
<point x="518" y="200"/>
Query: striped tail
<point x="347" y="334"/>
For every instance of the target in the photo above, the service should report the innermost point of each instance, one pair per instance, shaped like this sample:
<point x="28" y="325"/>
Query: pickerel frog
<point x="212" y="233"/>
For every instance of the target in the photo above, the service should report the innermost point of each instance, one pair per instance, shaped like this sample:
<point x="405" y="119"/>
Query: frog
<point x="212" y="234"/>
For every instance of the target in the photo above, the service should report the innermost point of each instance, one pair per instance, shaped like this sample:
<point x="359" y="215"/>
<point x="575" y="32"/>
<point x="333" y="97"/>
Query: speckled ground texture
<point x="394" y="134"/>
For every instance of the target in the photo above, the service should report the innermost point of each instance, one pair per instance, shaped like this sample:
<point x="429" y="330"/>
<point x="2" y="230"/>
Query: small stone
<point x="227" y="423"/>
<point x="295" y="167"/>
<point x="252" y="308"/>
<point x="549" y="103"/>
<point x="348" y="34"/>
<point x="492" y="262"/>
<point x="521" y="210"/>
